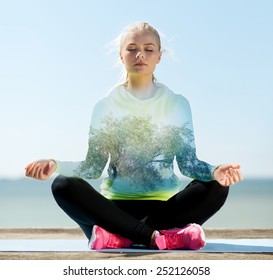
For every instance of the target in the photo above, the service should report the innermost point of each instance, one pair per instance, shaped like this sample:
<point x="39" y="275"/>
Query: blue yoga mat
<point x="65" y="245"/>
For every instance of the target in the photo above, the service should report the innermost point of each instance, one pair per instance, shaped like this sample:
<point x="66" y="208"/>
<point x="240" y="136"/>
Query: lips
<point x="140" y="64"/>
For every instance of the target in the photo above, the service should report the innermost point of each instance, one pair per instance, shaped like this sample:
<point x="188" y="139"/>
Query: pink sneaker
<point x="102" y="239"/>
<point x="190" y="237"/>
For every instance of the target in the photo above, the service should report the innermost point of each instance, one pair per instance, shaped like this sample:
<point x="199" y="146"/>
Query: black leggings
<point x="137" y="219"/>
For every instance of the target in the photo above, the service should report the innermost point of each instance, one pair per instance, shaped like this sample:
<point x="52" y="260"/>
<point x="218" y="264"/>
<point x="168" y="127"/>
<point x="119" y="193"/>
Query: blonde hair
<point x="138" y="27"/>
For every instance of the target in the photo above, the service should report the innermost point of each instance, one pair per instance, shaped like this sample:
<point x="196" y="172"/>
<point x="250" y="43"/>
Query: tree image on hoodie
<point x="140" y="151"/>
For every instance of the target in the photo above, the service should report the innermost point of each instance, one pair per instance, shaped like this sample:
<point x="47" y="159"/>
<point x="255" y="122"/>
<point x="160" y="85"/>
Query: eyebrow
<point x="147" y="44"/>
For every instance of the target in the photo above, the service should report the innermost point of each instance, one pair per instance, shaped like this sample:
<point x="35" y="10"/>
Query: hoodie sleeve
<point x="188" y="163"/>
<point x="96" y="158"/>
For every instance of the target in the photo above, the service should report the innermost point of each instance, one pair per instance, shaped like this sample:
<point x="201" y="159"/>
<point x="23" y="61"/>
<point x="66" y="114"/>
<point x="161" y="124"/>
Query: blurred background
<point x="55" y="65"/>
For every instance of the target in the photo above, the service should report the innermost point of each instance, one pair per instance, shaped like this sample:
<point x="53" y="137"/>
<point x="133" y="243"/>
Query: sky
<point x="55" y="66"/>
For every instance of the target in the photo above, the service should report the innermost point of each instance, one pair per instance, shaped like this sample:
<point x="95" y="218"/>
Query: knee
<point x="219" y="189"/>
<point x="67" y="186"/>
<point x="219" y="192"/>
<point x="59" y="185"/>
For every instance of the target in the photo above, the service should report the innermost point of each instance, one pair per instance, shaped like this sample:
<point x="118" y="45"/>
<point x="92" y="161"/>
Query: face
<point x="140" y="53"/>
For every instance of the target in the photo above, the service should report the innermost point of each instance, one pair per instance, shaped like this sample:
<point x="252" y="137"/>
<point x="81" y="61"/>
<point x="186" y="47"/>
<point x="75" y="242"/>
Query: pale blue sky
<point x="54" y="67"/>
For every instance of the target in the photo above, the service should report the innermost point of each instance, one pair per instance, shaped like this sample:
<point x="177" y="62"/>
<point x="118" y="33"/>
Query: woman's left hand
<point x="228" y="174"/>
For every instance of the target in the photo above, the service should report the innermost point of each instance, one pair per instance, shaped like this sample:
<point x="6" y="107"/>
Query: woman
<point x="139" y="129"/>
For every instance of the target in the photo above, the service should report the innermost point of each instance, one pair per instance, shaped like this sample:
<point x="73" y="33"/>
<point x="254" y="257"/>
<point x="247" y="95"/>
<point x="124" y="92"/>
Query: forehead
<point x="140" y="37"/>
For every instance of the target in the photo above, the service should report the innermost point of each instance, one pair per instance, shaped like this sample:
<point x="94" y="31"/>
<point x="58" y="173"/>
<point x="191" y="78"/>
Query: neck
<point x="141" y="88"/>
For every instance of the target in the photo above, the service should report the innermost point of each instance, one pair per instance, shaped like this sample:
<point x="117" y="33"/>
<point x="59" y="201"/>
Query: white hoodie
<point x="141" y="138"/>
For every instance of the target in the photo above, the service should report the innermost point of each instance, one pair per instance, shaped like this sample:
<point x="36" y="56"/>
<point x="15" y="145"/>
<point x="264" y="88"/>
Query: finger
<point x="29" y="168"/>
<point x="227" y="183"/>
<point x="31" y="171"/>
<point x="224" y="181"/>
<point x="236" y="179"/>
<point x="235" y="173"/>
<point x="47" y="169"/>
<point x="231" y="181"/>
<point x="37" y="172"/>
<point x="227" y="167"/>
<point x="235" y="166"/>
<point x="26" y="171"/>
<point x="232" y="171"/>
<point x="224" y="167"/>
<point x="41" y="175"/>
<point x="240" y="175"/>
<point x="235" y="176"/>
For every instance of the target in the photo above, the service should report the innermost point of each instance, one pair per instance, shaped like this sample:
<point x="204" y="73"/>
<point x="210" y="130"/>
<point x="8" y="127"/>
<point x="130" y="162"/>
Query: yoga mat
<point x="66" y="245"/>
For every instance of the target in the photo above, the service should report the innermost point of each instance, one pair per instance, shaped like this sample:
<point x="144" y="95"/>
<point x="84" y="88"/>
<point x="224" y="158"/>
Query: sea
<point x="28" y="203"/>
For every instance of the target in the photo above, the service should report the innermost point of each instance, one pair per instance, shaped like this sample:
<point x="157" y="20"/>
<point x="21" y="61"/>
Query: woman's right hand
<point x="41" y="169"/>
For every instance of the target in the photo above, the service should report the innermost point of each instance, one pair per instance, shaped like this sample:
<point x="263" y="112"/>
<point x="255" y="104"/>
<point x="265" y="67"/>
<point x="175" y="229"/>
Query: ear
<point x="121" y="57"/>
<point x="159" y="58"/>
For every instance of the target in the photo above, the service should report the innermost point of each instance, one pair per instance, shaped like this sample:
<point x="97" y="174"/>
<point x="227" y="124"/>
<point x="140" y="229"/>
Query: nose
<point x="140" y="55"/>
